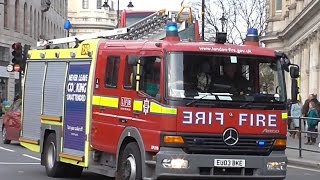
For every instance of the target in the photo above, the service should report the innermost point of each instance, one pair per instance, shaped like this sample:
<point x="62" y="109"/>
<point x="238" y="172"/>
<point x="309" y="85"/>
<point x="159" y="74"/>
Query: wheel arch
<point x="46" y="133"/>
<point x="132" y="134"/>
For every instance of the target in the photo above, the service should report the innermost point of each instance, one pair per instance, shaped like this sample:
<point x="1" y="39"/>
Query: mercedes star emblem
<point x="230" y="136"/>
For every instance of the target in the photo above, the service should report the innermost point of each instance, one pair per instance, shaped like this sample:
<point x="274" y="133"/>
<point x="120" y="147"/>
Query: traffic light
<point x="23" y="61"/>
<point x="17" y="55"/>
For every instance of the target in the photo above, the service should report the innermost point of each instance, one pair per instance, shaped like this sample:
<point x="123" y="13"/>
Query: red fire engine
<point x="129" y="17"/>
<point x="151" y="109"/>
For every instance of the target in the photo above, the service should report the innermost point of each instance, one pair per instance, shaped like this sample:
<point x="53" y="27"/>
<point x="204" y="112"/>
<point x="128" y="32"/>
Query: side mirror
<point x="294" y="90"/>
<point x="285" y="62"/>
<point x="294" y="72"/>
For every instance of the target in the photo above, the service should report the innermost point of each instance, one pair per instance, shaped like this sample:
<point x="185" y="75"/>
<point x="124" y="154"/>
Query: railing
<point x="301" y="132"/>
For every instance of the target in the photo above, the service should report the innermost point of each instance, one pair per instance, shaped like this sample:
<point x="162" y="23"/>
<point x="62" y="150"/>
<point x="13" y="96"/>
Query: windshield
<point x="224" y="78"/>
<point x="135" y="17"/>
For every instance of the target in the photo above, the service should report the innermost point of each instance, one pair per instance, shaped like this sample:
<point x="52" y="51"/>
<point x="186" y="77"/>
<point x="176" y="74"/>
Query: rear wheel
<point x="53" y="167"/>
<point x="130" y="165"/>
<point x="4" y="135"/>
<point x="74" y="171"/>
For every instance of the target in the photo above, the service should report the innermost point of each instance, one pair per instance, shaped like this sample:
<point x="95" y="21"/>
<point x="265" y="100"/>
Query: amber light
<point x="173" y="140"/>
<point x="280" y="143"/>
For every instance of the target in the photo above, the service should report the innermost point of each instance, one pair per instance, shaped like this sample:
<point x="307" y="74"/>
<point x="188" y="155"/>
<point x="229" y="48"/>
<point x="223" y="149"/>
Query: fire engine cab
<point x="153" y="109"/>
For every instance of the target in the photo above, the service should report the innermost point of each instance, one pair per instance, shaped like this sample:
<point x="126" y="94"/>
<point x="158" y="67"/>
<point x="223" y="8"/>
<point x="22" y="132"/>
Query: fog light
<point x="175" y="163"/>
<point x="279" y="166"/>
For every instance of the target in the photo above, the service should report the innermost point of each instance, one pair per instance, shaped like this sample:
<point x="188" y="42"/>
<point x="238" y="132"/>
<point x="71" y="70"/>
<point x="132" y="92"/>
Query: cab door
<point x="106" y="128"/>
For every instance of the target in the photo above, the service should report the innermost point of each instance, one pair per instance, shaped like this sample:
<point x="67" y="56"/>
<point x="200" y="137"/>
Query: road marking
<point x="10" y="150"/>
<point x="26" y="155"/>
<point x="303" y="168"/>
<point x="13" y="163"/>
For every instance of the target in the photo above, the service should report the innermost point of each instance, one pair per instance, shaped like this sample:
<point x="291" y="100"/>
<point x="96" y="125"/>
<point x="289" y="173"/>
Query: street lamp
<point x="130" y="5"/>
<point x="223" y="20"/>
<point x="67" y="26"/>
<point x="106" y="6"/>
<point x="202" y="14"/>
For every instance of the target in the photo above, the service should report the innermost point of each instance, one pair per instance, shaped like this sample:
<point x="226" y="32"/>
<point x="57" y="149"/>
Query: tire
<point x="53" y="167"/>
<point x="129" y="164"/>
<point x="74" y="171"/>
<point x="4" y="135"/>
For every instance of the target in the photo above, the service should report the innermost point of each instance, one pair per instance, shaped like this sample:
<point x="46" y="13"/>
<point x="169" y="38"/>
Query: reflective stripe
<point x="96" y="100"/>
<point x="137" y="105"/>
<point x="157" y="108"/>
<point x="284" y="115"/>
<point x="105" y="101"/>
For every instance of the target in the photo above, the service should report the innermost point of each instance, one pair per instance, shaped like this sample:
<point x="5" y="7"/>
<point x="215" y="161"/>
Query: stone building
<point x="89" y="16"/>
<point x="294" y="27"/>
<point x="24" y="21"/>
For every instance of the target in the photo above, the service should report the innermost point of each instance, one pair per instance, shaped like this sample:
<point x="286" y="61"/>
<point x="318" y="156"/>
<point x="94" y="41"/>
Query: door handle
<point x="136" y="113"/>
<point x="102" y="108"/>
<point x="123" y="121"/>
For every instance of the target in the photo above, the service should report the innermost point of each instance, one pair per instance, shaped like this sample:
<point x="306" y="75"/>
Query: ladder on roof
<point x="151" y="27"/>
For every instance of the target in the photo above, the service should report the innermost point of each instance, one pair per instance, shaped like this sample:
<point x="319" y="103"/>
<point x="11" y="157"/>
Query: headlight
<point x="175" y="163"/>
<point x="279" y="166"/>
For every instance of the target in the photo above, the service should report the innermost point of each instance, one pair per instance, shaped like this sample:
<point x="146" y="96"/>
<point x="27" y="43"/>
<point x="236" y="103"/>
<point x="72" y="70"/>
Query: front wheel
<point x="4" y="135"/>
<point x="130" y="165"/>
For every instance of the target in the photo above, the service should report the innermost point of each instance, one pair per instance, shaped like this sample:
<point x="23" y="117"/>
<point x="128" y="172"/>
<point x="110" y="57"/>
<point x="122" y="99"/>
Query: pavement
<point x="308" y="159"/>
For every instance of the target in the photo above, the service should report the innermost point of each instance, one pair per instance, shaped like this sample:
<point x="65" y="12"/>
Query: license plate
<point x="230" y="163"/>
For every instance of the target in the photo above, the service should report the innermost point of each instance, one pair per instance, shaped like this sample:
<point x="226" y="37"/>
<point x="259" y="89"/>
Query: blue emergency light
<point x="252" y="32"/>
<point x="261" y="143"/>
<point x="172" y="29"/>
<point x="252" y="37"/>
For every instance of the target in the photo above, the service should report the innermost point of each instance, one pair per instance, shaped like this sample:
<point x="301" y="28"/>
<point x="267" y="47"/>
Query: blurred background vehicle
<point x="11" y="126"/>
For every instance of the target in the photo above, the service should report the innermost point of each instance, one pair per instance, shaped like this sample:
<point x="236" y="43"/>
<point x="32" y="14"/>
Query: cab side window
<point x="128" y="76"/>
<point x="150" y="77"/>
<point x="112" y="71"/>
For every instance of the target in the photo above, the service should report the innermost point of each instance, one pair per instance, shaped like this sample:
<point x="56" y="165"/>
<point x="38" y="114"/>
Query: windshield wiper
<point x="196" y="100"/>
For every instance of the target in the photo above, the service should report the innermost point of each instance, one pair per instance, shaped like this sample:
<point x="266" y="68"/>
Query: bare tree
<point x="240" y="15"/>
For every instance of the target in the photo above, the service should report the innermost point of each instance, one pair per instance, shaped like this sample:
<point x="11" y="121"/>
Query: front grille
<point x="201" y="144"/>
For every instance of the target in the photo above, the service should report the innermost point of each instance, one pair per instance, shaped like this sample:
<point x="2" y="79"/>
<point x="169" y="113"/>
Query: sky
<point x="150" y="4"/>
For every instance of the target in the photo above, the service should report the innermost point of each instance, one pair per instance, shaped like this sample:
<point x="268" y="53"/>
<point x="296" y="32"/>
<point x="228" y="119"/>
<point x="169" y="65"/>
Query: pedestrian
<point x="295" y="112"/>
<point x="312" y="113"/>
<point x="304" y="112"/>
<point x="289" y="123"/>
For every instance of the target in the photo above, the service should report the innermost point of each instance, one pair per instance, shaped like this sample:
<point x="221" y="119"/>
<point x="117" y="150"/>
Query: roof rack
<point x="151" y="27"/>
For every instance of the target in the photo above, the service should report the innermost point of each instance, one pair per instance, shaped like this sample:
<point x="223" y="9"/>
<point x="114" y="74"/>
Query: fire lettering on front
<point x="209" y="118"/>
<point x="258" y="120"/>
<point x="202" y="118"/>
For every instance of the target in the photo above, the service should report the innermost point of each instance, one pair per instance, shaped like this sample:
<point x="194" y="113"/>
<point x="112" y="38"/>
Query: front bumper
<point x="201" y="166"/>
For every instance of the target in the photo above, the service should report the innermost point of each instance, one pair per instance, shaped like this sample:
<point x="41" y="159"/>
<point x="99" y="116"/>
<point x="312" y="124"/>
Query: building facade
<point x="294" y="27"/>
<point x="25" y="21"/>
<point x="89" y="16"/>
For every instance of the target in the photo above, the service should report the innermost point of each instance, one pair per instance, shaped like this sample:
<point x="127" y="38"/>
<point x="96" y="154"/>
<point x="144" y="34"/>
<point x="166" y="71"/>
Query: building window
<point x="112" y="71"/>
<point x="5" y="14"/>
<point x="278" y="5"/>
<point x="99" y="4"/>
<point x="25" y="20"/>
<point x="4" y="54"/>
<point x="150" y="77"/>
<point x="16" y="16"/>
<point x="31" y="22"/>
<point x="85" y="4"/>
<point x="98" y="19"/>
<point x="35" y="22"/>
<point x="84" y="19"/>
